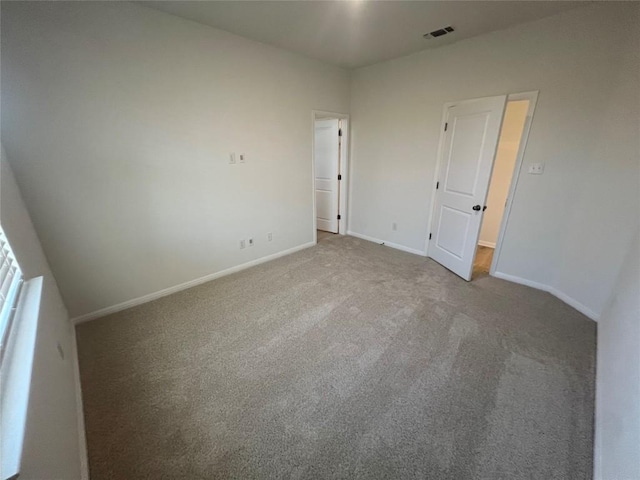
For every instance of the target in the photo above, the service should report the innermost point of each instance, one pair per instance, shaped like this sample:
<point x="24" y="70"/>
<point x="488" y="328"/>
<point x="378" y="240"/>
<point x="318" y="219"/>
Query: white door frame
<point x="533" y="98"/>
<point x="343" y="169"/>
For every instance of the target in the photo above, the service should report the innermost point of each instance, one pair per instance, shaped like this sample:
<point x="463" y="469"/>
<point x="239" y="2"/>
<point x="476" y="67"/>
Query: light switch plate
<point x="536" y="168"/>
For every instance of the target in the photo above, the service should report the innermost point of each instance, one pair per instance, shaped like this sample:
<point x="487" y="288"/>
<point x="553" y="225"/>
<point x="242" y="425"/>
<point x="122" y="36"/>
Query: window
<point x="19" y="314"/>
<point x="10" y="284"/>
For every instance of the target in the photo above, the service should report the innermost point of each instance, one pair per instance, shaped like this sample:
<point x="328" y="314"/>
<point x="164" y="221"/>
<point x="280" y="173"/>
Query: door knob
<point x="477" y="208"/>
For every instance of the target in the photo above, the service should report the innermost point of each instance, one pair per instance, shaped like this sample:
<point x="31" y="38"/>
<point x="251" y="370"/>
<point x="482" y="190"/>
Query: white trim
<point x="345" y="185"/>
<point x="575" y="304"/>
<point x="522" y="281"/>
<point x="82" y="436"/>
<point x="524" y="138"/>
<point x="183" y="286"/>
<point x="598" y="426"/>
<point x="397" y="246"/>
<point x="482" y="243"/>
<point x="572" y="302"/>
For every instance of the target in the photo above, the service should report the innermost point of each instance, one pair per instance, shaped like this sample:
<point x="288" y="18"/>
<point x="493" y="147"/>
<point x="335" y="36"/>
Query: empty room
<point x="320" y="240"/>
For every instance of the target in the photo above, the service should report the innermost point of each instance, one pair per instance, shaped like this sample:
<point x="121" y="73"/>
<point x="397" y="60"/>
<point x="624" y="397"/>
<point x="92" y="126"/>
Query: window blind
<point x="10" y="283"/>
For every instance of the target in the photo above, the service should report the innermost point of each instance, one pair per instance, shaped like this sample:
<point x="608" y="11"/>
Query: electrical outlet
<point x="394" y="226"/>
<point x="232" y="158"/>
<point x="269" y="236"/>
<point x="251" y="242"/>
<point x="242" y="244"/>
<point x="243" y="158"/>
<point x="536" y="168"/>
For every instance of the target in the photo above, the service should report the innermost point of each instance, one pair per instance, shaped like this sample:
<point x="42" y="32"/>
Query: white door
<point x="327" y="157"/>
<point x="468" y="149"/>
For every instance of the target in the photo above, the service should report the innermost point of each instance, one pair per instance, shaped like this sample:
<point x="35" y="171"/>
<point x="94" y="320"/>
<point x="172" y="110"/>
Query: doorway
<point x="504" y="165"/>
<point x="330" y="167"/>
<point x="482" y="143"/>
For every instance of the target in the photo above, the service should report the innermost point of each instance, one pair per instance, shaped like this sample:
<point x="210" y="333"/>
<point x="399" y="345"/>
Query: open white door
<point x="470" y="138"/>
<point x="327" y="157"/>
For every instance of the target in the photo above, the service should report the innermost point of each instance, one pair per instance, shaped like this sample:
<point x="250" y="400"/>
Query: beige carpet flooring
<point x="345" y="360"/>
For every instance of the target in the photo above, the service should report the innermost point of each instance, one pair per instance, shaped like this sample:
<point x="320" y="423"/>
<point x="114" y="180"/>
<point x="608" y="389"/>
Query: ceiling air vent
<point x="438" y="33"/>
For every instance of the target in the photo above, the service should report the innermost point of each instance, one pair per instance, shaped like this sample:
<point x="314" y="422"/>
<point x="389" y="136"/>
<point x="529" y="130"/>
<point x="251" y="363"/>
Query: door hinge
<point x="339" y="177"/>
<point x="429" y="236"/>
<point x="446" y="125"/>
<point x="339" y="132"/>
<point x="437" y="185"/>
<point x="338" y="217"/>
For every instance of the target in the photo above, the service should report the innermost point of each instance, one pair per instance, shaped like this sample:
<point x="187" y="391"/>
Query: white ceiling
<point x="355" y="33"/>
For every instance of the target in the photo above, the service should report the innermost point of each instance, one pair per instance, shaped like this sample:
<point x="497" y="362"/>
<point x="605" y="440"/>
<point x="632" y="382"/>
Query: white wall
<point x="568" y="226"/>
<point x="52" y="447"/>
<point x="606" y="207"/>
<point x="617" y="440"/>
<point x="119" y="121"/>
<point x="506" y="154"/>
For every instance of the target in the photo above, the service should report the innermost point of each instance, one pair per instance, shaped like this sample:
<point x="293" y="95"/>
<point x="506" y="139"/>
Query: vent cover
<point x="439" y="33"/>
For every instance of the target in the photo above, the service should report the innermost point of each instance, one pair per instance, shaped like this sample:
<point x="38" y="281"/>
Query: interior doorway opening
<point x="506" y="166"/>
<point x="330" y="178"/>
<point x="469" y="142"/>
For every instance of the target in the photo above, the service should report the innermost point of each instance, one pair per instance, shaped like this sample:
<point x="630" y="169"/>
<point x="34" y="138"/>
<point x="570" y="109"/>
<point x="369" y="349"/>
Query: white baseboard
<point x="521" y="281"/>
<point x="572" y="302"/>
<point x="183" y="286"/>
<point x="82" y="436"/>
<point x="397" y="246"/>
<point x="482" y="243"/>
<point x="575" y="304"/>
